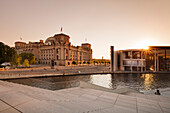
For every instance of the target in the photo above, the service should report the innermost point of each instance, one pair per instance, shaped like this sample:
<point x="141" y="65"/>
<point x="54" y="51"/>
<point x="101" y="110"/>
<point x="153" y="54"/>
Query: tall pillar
<point x="131" y="57"/>
<point x="155" y="59"/>
<point x="166" y="68"/>
<point x="131" y="69"/>
<point x="145" y="60"/>
<point x="157" y="62"/>
<point x="112" y="58"/>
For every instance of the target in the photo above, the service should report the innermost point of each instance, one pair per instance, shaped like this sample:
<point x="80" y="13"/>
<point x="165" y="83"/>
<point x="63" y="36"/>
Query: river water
<point x="140" y="82"/>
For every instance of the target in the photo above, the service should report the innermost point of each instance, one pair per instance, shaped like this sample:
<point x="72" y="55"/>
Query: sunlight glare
<point x="144" y="44"/>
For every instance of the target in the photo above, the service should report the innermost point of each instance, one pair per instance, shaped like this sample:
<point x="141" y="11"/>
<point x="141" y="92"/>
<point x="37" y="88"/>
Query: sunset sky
<point x="122" y="23"/>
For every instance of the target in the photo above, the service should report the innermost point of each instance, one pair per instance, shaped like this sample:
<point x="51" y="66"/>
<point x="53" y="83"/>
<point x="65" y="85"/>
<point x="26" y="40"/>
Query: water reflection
<point x="104" y="80"/>
<point x="148" y="80"/>
<point x="138" y="82"/>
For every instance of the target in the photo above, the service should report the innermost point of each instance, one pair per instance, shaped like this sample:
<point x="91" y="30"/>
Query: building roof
<point x="159" y="47"/>
<point x="61" y="34"/>
<point x="132" y="50"/>
<point x="86" y="44"/>
<point x="20" y="42"/>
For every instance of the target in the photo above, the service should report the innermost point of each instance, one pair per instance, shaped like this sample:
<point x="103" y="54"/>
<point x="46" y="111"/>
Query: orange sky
<point x="123" y="23"/>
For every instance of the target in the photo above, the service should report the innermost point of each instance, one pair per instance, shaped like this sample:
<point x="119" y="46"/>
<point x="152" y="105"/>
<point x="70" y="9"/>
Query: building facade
<point x="129" y="60"/>
<point x="156" y="58"/>
<point x="57" y="49"/>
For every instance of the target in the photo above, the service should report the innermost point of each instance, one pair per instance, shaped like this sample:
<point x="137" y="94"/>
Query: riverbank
<point x="46" y="71"/>
<point x="17" y="98"/>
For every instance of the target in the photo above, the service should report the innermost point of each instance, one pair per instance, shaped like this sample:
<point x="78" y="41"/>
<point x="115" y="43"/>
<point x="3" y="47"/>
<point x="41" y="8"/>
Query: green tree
<point x="18" y="61"/>
<point x="103" y="62"/>
<point x="74" y="62"/>
<point x="14" y="59"/>
<point x="108" y="62"/>
<point x="94" y="62"/>
<point x="29" y="56"/>
<point x="88" y="62"/>
<point x="84" y="62"/>
<point x="33" y="61"/>
<point x="26" y="63"/>
<point x="6" y="53"/>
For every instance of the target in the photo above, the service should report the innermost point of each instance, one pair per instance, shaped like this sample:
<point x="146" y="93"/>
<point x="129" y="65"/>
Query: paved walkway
<point x="16" y="98"/>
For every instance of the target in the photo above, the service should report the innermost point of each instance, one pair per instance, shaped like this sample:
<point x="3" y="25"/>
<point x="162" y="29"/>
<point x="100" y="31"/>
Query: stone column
<point x="155" y="60"/>
<point x="112" y="58"/>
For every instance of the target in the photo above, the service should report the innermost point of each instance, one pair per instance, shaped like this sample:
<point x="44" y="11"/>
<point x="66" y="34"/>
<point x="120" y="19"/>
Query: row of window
<point x="43" y="62"/>
<point x="47" y="51"/>
<point x="50" y="57"/>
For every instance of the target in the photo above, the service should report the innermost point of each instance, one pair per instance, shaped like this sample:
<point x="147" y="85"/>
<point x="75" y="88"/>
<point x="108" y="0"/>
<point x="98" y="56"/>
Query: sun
<point x="144" y="44"/>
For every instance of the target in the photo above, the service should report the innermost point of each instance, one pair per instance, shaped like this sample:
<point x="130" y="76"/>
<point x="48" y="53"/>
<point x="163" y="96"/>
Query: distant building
<point x="156" y="58"/>
<point x="58" y="49"/>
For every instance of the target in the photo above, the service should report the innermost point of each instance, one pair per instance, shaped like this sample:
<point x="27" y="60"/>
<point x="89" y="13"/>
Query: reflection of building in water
<point x="104" y="81"/>
<point x="126" y="80"/>
<point x="148" y="80"/>
<point x="156" y="58"/>
<point x="57" y="48"/>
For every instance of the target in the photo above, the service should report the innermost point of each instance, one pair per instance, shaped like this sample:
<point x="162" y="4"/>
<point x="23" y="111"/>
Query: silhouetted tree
<point x="6" y="53"/>
<point x="84" y="62"/>
<point x="74" y="62"/>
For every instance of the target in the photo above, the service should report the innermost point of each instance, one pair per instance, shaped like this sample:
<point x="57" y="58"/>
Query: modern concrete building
<point x="58" y="49"/>
<point x="129" y="60"/>
<point x="156" y="58"/>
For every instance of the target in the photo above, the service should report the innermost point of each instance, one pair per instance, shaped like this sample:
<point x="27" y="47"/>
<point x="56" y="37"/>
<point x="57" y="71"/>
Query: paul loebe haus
<point x="57" y="48"/>
<point x="155" y="58"/>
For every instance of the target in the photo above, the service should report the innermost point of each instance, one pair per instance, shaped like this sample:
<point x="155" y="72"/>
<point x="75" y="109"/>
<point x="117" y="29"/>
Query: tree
<point x="84" y="62"/>
<point x="94" y="62"/>
<point x="6" y="53"/>
<point x="103" y="62"/>
<point x="33" y="61"/>
<point x="88" y="62"/>
<point x="26" y="63"/>
<point x="18" y="61"/>
<point x="15" y="60"/>
<point x="29" y="56"/>
<point x="74" y="62"/>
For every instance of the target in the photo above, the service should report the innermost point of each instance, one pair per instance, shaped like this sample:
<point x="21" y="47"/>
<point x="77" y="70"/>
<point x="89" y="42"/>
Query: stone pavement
<point x="16" y="98"/>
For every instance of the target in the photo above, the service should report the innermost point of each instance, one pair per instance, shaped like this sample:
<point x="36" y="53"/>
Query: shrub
<point x="74" y="62"/>
<point x="26" y="63"/>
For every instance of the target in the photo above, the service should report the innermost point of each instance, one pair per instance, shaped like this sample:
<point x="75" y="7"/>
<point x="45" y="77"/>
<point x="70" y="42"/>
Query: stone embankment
<point x="44" y="71"/>
<point x="57" y="71"/>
